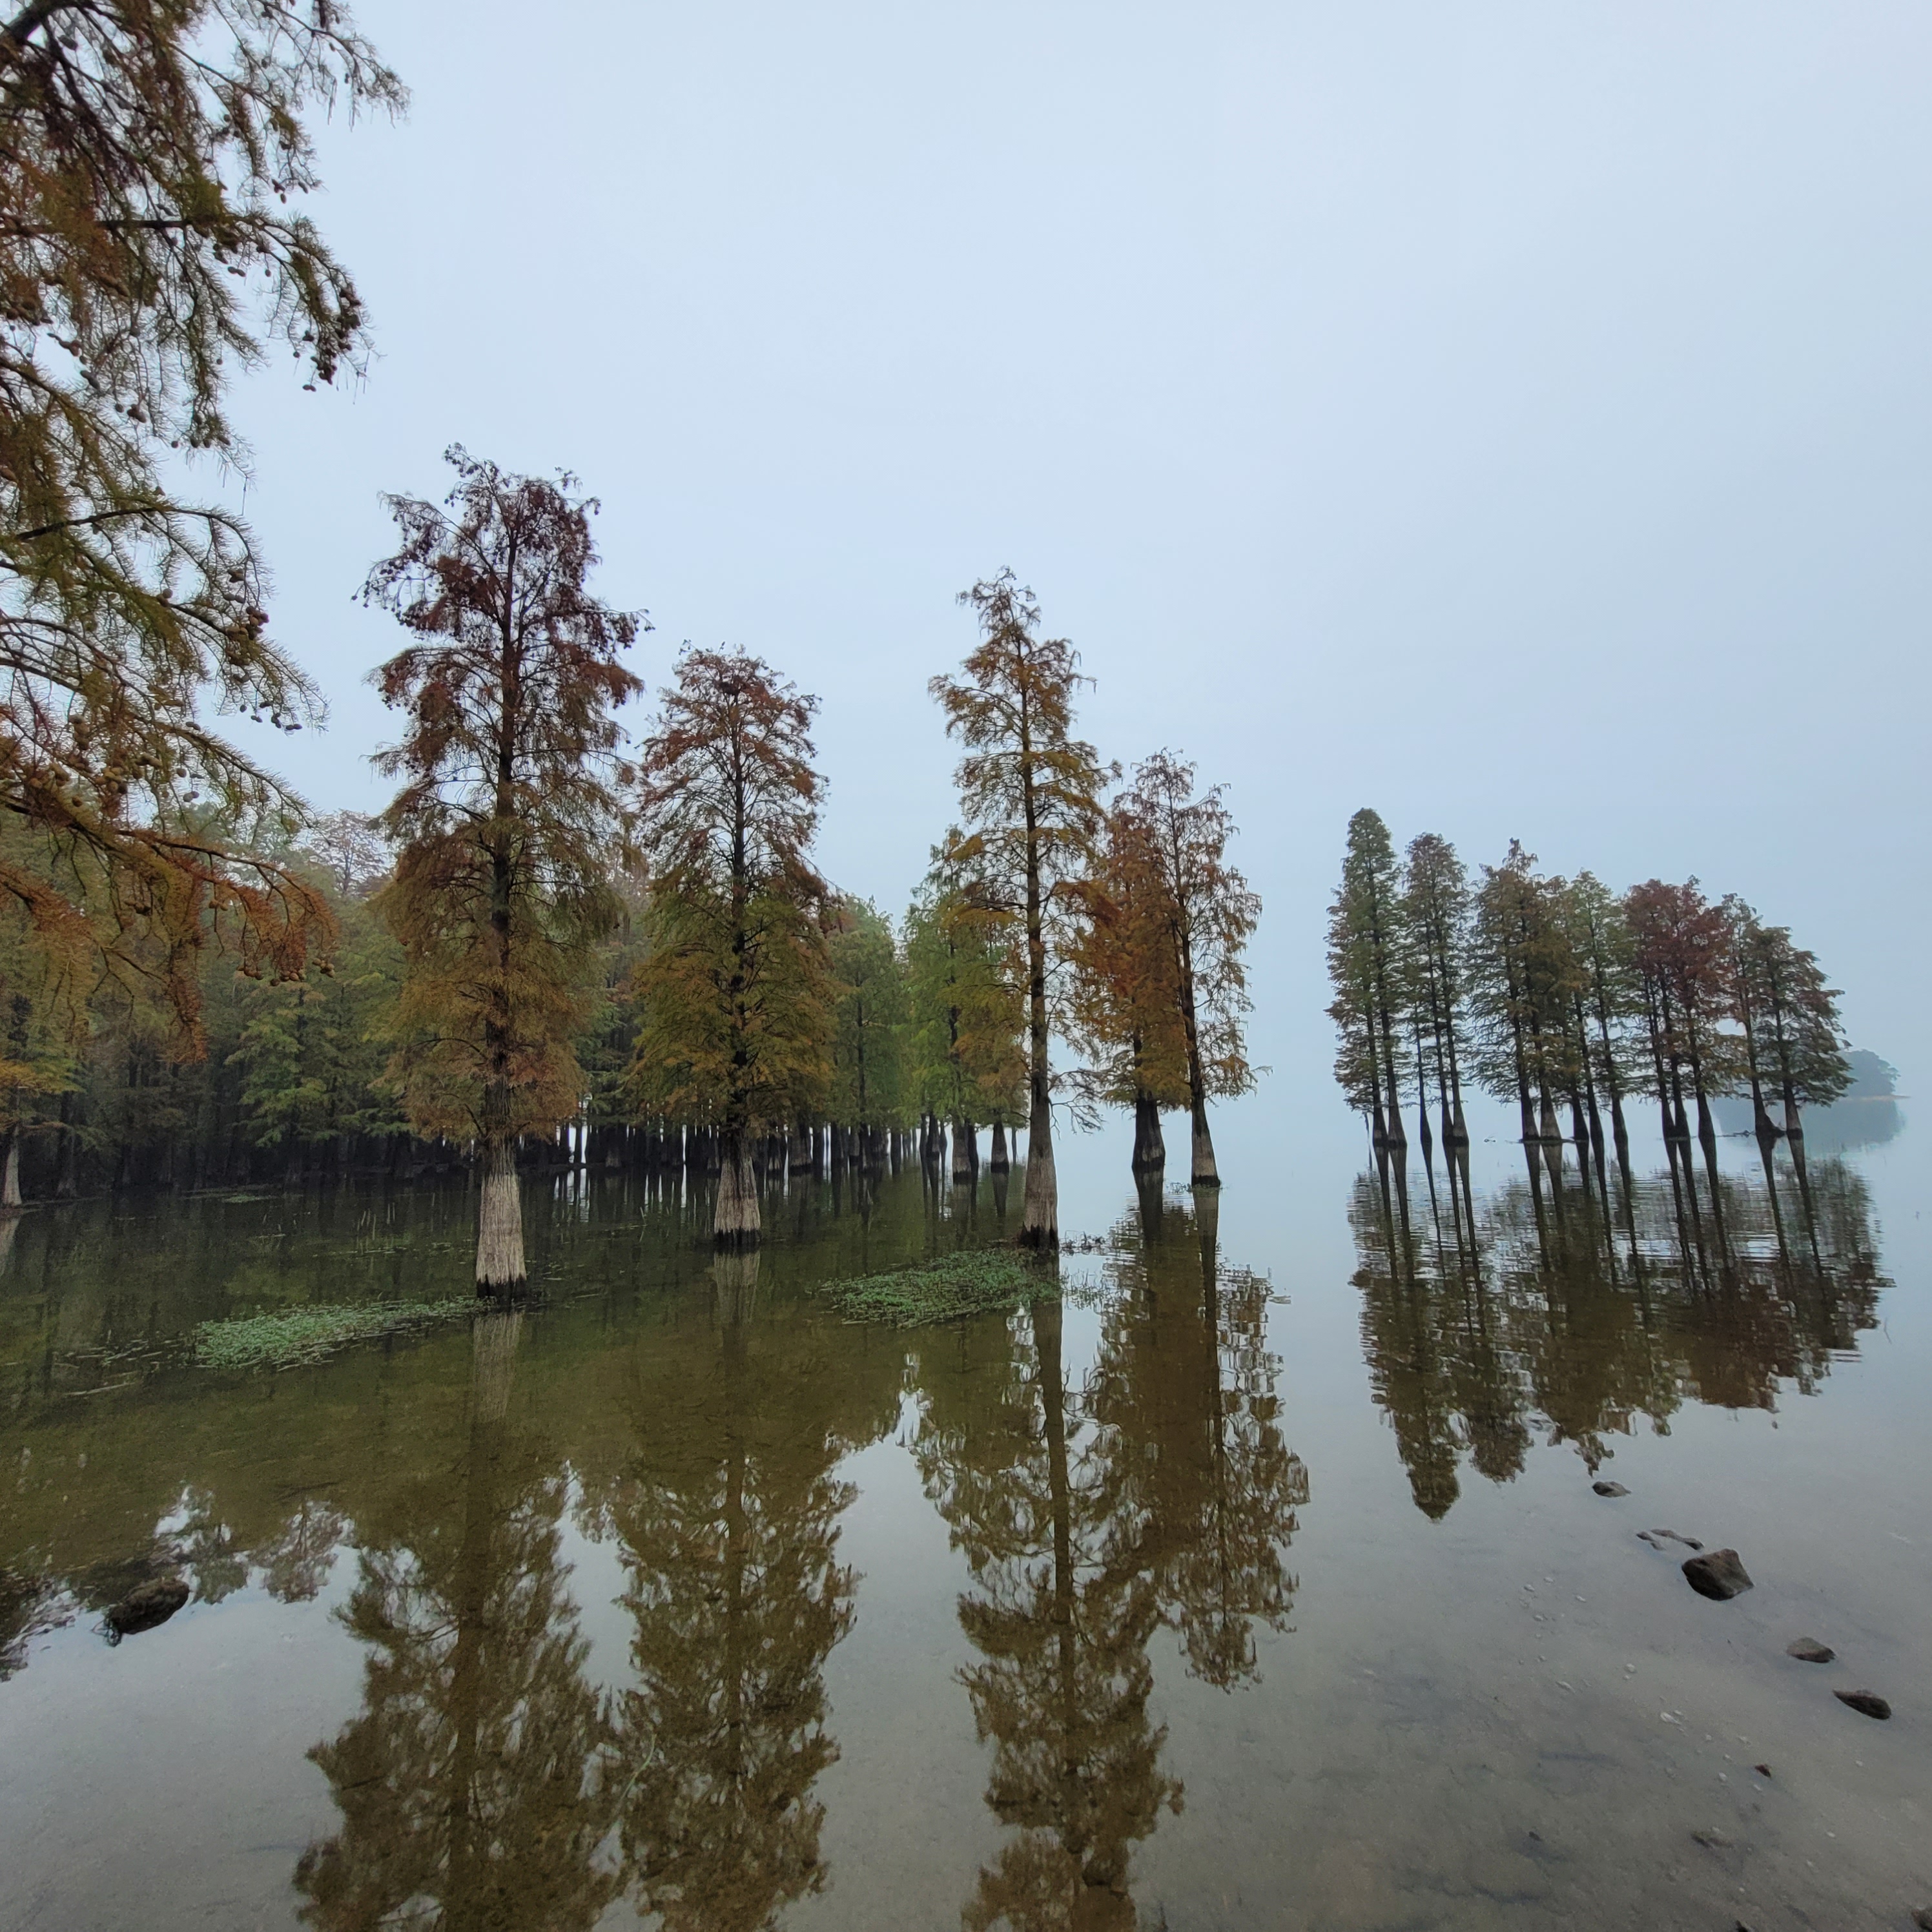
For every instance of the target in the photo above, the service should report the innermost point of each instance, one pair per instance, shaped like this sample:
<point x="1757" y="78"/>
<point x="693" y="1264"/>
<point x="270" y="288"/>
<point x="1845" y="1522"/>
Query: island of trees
<point x="1566" y="999"/>
<point x="553" y="944"/>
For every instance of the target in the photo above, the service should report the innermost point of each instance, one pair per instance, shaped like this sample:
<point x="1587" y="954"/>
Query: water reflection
<point x="1565" y="1305"/>
<point x="481" y="1775"/>
<point x="728" y="1519"/>
<point x="1159" y="1493"/>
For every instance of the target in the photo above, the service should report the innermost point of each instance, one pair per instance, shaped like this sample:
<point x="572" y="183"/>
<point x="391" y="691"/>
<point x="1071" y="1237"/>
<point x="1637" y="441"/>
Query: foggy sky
<point x="1514" y="417"/>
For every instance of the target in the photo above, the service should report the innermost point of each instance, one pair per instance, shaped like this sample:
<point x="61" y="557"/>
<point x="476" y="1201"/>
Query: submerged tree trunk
<point x="736" y="1224"/>
<point x="965" y="1151"/>
<point x="1000" y="1159"/>
<point x="1205" y="1173"/>
<point x="1150" y="1148"/>
<point x="499" y="1221"/>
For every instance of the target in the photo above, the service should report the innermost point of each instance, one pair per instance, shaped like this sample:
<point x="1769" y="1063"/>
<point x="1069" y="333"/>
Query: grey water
<point x="1260" y="1581"/>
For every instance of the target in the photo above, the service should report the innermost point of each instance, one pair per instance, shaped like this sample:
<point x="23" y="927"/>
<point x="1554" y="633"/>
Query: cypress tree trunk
<point x="1205" y="1173"/>
<point x="965" y="1151"/>
<point x="1000" y="1160"/>
<point x="736" y="1224"/>
<point x="500" y="1220"/>
<point x="1149" y="1147"/>
<point x="10" y="1169"/>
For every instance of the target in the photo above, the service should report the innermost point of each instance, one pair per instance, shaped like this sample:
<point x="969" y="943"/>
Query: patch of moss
<point x="982" y="1281"/>
<point x="295" y="1335"/>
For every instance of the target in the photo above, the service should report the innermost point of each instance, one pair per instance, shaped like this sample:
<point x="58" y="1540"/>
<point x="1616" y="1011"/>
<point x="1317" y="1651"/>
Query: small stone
<point x="1719" y="1575"/>
<point x="1809" y="1650"/>
<point x="149" y="1604"/>
<point x="1715" y="1841"/>
<point x="1867" y="1703"/>
<point x="1762" y="1770"/>
<point x="1922" y="1919"/>
<point x="1609" y="1489"/>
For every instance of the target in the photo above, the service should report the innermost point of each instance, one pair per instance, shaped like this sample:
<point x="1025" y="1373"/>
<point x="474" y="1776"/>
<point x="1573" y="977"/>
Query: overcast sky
<point x="1514" y="417"/>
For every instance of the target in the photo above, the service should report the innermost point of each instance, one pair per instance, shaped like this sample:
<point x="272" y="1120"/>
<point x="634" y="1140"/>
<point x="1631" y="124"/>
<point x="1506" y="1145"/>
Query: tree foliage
<point x="735" y="990"/>
<point x="148" y="152"/>
<point x="510" y="820"/>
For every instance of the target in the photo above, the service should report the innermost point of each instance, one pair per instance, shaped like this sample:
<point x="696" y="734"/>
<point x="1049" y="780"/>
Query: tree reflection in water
<point x="1566" y="1304"/>
<point x="481" y="1775"/>
<point x="1160" y="1493"/>
<point x="729" y="1526"/>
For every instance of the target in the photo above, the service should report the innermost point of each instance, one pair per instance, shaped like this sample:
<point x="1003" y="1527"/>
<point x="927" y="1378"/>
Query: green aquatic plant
<point x="293" y="1336"/>
<point x="984" y="1281"/>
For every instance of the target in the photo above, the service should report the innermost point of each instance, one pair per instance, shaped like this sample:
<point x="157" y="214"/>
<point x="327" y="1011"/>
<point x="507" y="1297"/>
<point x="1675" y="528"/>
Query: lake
<point x="1260" y="1581"/>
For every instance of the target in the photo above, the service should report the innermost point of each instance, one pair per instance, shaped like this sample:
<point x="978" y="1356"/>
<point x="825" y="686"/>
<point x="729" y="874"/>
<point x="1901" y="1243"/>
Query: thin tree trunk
<point x="10" y="1170"/>
<point x="1000" y="1160"/>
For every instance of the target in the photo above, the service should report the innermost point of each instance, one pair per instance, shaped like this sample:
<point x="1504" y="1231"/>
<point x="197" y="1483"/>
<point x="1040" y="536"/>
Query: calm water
<point x="1261" y="1583"/>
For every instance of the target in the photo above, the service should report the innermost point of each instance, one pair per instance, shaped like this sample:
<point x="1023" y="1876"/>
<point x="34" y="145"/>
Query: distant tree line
<point x="550" y="944"/>
<point x="1566" y="998"/>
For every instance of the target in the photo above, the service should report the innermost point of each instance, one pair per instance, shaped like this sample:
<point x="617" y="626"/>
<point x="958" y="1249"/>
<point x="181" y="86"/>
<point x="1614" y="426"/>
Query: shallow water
<point x="1259" y="1583"/>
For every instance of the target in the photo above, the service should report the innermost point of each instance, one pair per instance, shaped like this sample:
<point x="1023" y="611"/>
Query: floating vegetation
<point x="982" y="1281"/>
<point x="296" y="1335"/>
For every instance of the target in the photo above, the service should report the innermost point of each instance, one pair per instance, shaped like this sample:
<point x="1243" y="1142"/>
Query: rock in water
<point x="146" y="1605"/>
<point x="1809" y="1650"/>
<point x="1609" y="1489"/>
<point x="1718" y="1574"/>
<point x="1868" y="1703"/>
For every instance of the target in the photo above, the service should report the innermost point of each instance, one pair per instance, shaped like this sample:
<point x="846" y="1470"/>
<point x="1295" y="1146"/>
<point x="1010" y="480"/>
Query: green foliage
<point x="869" y="1086"/>
<point x="292" y="1336"/>
<point x="735" y="988"/>
<point x="313" y="1053"/>
<point x="966" y="1005"/>
<point x="1364" y="954"/>
<point x="982" y="1281"/>
<point x="1525" y="981"/>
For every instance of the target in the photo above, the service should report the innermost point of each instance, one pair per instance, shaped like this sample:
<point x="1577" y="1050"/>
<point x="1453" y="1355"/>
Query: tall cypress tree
<point x="509" y="822"/>
<point x="1365" y="968"/>
<point x="1029" y="793"/>
<point x="735" y="991"/>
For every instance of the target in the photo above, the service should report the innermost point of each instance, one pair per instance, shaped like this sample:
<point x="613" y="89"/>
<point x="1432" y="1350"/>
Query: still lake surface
<point x="1261" y="1582"/>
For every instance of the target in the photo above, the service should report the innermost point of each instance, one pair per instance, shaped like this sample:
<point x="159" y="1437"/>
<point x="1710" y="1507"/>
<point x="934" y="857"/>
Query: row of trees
<point x="1559" y="993"/>
<point x="153" y="168"/>
<point x="542" y="933"/>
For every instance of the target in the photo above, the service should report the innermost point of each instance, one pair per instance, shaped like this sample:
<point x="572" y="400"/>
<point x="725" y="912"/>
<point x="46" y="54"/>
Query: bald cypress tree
<point x="735" y="990"/>
<point x="1435" y="920"/>
<point x="510" y="821"/>
<point x="1030" y="794"/>
<point x="1365" y="950"/>
<point x="1207" y="913"/>
<point x="1787" y="1016"/>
